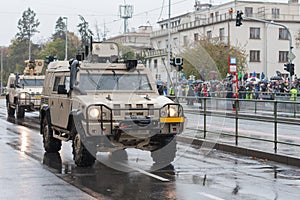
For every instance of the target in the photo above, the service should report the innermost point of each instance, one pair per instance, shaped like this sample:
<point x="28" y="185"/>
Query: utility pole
<point x="169" y="44"/>
<point x="29" y="45"/>
<point x="2" y="70"/>
<point x="66" y="30"/>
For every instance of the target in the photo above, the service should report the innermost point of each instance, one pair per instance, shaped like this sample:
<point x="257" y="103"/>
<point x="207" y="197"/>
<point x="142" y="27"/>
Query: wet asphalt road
<point x="196" y="173"/>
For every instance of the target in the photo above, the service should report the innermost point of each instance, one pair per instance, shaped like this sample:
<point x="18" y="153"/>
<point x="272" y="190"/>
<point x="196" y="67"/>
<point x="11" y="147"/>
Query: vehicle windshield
<point x="31" y="82"/>
<point x="133" y="82"/>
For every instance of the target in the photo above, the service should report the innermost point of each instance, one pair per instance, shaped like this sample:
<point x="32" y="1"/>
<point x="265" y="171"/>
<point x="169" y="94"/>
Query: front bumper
<point x="128" y="125"/>
<point x="29" y="101"/>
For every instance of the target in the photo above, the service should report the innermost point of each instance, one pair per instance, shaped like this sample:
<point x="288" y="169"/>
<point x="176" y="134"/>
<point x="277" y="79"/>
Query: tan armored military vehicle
<point x="103" y="105"/>
<point x="24" y="91"/>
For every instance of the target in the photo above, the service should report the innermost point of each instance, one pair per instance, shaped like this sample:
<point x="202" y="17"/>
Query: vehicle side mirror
<point x="61" y="89"/>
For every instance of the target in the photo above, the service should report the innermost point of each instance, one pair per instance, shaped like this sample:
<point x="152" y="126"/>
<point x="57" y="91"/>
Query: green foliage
<point x="55" y="48"/>
<point x="127" y="52"/>
<point x="206" y="57"/>
<point x="27" y="25"/>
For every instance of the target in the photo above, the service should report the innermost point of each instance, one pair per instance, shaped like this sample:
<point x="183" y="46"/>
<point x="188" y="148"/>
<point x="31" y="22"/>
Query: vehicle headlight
<point x="23" y="95"/>
<point x="172" y="111"/>
<point x="94" y="113"/>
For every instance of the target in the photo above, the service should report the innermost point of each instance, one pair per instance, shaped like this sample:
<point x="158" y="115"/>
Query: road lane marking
<point x="210" y="196"/>
<point x="145" y="173"/>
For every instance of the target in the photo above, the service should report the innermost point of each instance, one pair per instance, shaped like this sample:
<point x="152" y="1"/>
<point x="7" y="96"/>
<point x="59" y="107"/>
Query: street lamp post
<point x="1" y="70"/>
<point x="66" y="50"/>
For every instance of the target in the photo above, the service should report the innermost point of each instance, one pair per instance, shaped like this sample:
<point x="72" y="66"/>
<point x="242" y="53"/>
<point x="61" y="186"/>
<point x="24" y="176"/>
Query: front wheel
<point x="10" y="110"/>
<point x="51" y="144"/>
<point x="166" y="154"/>
<point x="20" y="112"/>
<point x="81" y="156"/>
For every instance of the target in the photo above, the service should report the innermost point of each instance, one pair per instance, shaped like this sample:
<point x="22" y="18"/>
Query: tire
<point x="81" y="156"/>
<point x="20" y="111"/>
<point x="10" y="110"/>
<point x="51" y="144"/>
<point x="166" y="154"/>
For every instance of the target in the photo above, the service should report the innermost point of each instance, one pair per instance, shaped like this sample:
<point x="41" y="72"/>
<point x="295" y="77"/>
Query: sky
<point x="103" y="14"/>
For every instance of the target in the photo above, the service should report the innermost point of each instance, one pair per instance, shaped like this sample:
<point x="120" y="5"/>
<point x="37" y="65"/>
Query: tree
<point x="127" y="53"/>
<point x="60" y="29"/>
<point x="207" y="56"/>
<point x="57" y="47"/>
<point x="84" y="31"/>
<point x="27" y="26"/>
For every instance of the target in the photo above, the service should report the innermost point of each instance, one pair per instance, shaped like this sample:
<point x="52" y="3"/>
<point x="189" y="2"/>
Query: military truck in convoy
<point x="24" y="91"/>
<point x="103" y="104"/>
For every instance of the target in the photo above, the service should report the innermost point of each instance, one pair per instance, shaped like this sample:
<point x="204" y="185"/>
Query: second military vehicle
<point x="103" y="104"/>
<point x="24" y="91"/>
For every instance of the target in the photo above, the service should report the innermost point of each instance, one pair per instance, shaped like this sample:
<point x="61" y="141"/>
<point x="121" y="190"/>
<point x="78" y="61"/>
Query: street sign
<point x="232" y="68"/>
<point x="291" y="56"/>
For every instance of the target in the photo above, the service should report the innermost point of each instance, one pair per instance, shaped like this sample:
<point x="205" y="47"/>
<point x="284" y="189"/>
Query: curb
<point x="284" y="159"/>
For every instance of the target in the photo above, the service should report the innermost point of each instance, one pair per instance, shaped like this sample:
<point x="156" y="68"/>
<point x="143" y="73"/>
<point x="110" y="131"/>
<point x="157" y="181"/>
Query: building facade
<point x="264" y="34"/>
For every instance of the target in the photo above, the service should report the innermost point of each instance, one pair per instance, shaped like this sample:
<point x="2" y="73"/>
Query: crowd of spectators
<point x="248" y="88"/>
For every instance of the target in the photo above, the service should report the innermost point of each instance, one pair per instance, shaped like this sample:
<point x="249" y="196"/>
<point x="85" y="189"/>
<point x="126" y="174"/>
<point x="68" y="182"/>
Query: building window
<point x="209" y="35"/>
<point x="185" y="40"/>
<point x="159" y="44"/>
<point x="175" y="42"/>
<point x="217" y="16"/>
<point x="222" y="34"/>
<point x="167" y="44"/>
<point x="254" y="33"/>
<point x="283" y="34"/>
<point x="275" y="13"/>
<point x="155" y="63"/>
<point x="283" y="56"/>
<point x="254" y="56"/>
<point x="248" y="11"/>
<point x="196" y="37"/>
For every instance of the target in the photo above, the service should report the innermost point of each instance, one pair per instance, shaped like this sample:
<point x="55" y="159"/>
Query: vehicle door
<point x="54" y="99"/>
<point x="65" y="103"/>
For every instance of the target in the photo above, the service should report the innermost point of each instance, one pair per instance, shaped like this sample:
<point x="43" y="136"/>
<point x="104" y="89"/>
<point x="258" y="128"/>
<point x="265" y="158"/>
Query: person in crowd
<point x="190" y="95"/>
<point x="172" y="91"/>
<point x="293" y="93"/>
<point x="204" y="90"/>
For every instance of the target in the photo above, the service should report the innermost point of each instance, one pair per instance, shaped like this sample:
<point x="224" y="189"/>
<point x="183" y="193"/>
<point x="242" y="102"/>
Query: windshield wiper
<point x="116" y="78"/>
<point x="92" y="80"/>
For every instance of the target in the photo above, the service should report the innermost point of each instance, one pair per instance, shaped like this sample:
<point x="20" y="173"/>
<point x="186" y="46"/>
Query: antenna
<point x="126" y="12"/>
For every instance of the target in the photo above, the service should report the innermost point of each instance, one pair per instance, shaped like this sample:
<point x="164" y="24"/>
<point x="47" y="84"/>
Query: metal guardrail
<point x="269" y="111"/>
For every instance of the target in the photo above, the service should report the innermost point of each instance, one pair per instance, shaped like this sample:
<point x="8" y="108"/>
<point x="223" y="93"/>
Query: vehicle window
<point x="32" y="82"/>
<point x="56" y="83"/>
<point x="67" y="83"/>
<point x="132" y="82"/>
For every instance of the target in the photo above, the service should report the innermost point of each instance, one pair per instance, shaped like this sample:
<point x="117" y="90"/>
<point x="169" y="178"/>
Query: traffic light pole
<point x="289" y="33"/>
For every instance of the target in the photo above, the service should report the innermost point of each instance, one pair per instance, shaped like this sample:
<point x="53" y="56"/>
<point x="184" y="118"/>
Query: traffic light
<point x="287" y="67"/>
<point x="178" y="61"/>
<point x="172" y="61"/>
<point x="239" y="18"/>
<point x="292" y="69"/>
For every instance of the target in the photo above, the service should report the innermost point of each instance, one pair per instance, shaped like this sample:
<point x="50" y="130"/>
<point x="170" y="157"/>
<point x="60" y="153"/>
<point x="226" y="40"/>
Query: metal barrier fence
<point x="269" y="111"/>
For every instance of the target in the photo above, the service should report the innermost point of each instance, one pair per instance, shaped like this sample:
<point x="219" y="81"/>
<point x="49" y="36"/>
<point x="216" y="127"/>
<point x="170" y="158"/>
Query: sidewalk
<point x="22" y="177"/>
